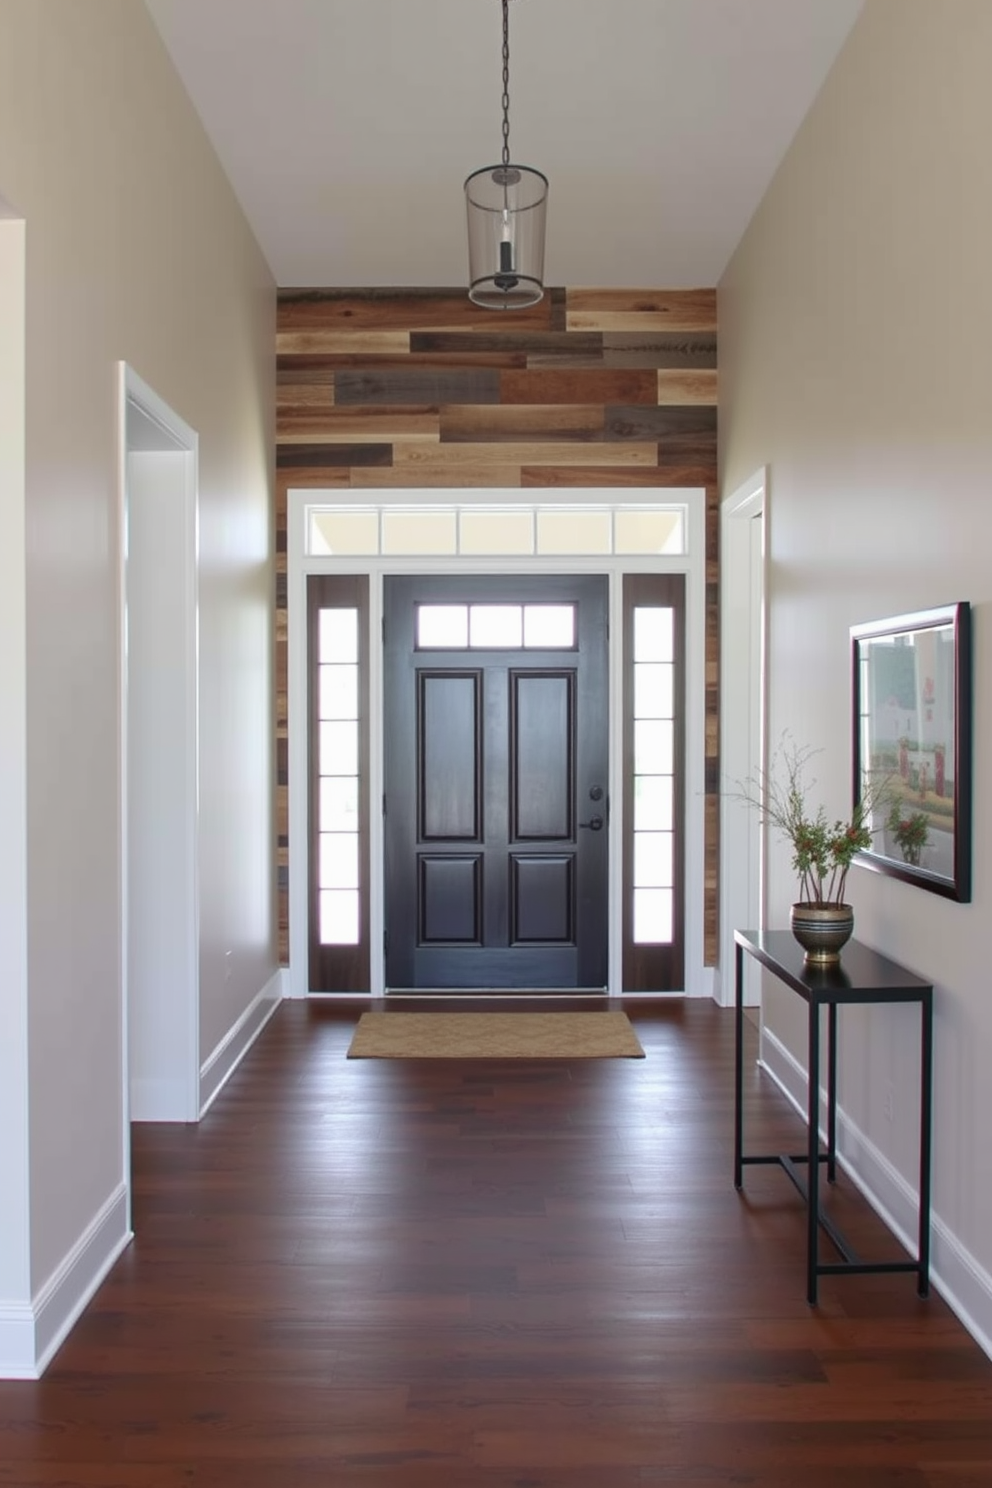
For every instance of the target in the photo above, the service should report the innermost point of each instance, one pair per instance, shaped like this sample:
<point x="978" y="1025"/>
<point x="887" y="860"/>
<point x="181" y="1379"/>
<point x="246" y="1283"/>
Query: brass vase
<point x="821" y="930"/>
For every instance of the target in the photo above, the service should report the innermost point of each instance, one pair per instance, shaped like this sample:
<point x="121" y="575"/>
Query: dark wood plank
<point x="404" y="1274"/>
<point x="320" y="456"/>
<point x="583" y="386"/>
<point x="372" y="387"/>
<point x="498" y="339"/>
<point x="636" y="422"/>
<point x="358" y="310"/>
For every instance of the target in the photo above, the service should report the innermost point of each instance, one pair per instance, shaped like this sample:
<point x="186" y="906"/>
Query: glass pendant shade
<point x="507" y="207"/>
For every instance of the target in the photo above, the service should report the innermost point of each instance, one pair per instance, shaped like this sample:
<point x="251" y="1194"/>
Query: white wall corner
<point x="30" y="1334"/>
<point x="233" y="1047"/>
<point x="963" y="1283"/>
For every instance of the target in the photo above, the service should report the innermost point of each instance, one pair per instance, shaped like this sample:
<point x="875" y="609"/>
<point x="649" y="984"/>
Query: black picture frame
<point x="911" y="716"/>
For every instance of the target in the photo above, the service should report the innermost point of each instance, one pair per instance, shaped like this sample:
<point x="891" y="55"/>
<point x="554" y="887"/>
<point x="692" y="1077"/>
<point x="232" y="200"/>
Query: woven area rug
<point x="495" y="1036"/>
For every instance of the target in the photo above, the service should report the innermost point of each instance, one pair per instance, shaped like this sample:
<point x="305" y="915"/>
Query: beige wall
<point x="855" y="359"/>
<point x="136" y="250"/>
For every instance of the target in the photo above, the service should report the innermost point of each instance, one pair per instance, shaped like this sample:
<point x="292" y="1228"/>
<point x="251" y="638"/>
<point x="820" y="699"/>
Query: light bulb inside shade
<point x="506" y="279"/>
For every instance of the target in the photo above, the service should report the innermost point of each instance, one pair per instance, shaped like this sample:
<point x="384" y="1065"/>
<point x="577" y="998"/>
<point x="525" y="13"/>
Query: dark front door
<point x="496" y="725"/>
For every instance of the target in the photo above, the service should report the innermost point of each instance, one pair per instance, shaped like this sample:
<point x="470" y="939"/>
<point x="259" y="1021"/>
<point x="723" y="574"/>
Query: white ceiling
<point x="347" y="127"/>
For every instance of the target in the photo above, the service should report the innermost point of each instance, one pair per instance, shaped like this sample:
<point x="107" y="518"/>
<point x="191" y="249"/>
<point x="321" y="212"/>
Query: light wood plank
<point x="432" y="475"/>
<point x="677" y="387"/>
<point x="354" y="426"/>
<point x="313" y="343"/>
<point x="464" y="456"/>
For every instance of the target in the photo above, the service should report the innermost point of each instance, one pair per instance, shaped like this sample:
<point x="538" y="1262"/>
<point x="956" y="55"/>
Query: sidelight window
<point x="654" y="687"/>
<point x="338" y="804"/>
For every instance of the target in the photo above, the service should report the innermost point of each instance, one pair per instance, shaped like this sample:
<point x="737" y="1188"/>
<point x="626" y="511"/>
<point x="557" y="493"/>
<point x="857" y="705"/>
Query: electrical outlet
<point x="888" y="1104"/>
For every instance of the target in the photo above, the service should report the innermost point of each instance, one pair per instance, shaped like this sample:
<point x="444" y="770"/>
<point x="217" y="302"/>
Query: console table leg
<point x="832" y="1094"/>
<point x="926" y="1098"/>
<point x="813" y="1155"/>
<point x="739" y="1069"/>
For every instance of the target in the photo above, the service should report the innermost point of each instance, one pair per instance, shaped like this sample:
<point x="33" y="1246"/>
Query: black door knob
<point x="595" y="824"/>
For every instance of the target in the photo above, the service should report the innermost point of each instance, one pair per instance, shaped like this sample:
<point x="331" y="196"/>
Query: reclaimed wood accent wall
<point x="421" y="388"/>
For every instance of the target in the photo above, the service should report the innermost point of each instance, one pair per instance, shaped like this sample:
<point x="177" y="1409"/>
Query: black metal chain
<point x="506" y="83"/>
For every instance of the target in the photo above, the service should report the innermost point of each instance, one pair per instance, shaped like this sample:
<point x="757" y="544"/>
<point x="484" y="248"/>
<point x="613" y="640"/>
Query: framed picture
<point x="912" y="746"/>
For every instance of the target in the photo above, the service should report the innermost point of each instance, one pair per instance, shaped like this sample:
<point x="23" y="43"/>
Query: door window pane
<point x="443" y="626"/>
<point x="549" y="626"/>
<point x="498" y="626"/>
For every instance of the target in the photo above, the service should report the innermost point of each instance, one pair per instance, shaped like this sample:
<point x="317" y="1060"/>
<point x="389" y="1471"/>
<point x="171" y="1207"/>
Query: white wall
<point x="14" y="1159"/>
<point x="855" y="360"/>
<point x="136" y="250"/>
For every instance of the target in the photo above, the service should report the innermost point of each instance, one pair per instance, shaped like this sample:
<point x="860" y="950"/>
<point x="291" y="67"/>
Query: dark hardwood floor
<point x="373" y="1274"/>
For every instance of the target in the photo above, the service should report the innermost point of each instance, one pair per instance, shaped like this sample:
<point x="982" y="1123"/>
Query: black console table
<point x="861" y="976"/>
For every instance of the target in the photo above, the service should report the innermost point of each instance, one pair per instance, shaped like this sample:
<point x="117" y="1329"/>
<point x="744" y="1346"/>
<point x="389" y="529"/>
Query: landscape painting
<point x="912" y="746"/>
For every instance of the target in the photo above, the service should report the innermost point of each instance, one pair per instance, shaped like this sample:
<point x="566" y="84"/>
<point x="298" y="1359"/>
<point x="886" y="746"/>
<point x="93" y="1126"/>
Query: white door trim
<point x="698" y="978"/>
<point x="742" y="723"/>
<point x="147" y="425"/>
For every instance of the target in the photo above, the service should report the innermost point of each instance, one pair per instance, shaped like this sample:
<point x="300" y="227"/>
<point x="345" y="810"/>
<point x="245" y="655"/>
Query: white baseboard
<point x="233" y="1047"/>
<point x="30" y="1335"/>
<point x="964" y="1284"/>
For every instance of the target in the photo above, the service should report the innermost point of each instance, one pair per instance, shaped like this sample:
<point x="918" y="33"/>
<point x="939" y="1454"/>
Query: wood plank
<point x="556" y="387"/>
<point x="372" y="388"/>
<point x="521" y="423"/>
<point x="430" y="475"/>
<point x="586" y="475"/>
<point x="390" y="310"/>
<point x="325" y="455"/>
<point x="634" y="421"/>
<point x="464" y="456"/>
<point x="660" y="349"/>
<point x="349" y="426"/>
<point x="326" y="342"/>
<point x="297" y="397"/>
<point x="641" y="310"/>
<point x="566" y="344"/>
<point x="385" y="362"/>
<point x="676" y="386"/>
<point x="312" y="477"/>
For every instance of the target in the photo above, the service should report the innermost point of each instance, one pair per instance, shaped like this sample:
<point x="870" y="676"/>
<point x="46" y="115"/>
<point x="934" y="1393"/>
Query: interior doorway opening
<point x="158" y="641"/>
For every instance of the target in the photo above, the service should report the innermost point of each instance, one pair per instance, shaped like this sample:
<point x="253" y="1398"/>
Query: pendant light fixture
<point x="507" y="205"/>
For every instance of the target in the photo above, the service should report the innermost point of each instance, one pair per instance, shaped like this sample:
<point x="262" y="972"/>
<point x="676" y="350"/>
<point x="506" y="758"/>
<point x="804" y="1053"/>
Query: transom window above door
<point x="640" y="529"/>
<point x="503" y="627"/>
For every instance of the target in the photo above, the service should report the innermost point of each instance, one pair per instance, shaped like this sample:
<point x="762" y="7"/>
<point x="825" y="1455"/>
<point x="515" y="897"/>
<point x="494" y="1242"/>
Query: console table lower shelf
<point x="863" y="976"/>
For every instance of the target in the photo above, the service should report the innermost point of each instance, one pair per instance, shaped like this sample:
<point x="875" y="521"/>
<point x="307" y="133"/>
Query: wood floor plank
<point x="434" y="1274"/>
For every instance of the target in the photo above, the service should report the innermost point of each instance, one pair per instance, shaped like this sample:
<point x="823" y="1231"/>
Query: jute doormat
<point x="495" y="1036"/>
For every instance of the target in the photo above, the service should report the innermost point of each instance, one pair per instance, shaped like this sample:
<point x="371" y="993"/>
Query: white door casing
<point x="692" y="564"/>
<point x="742" y="723"/>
